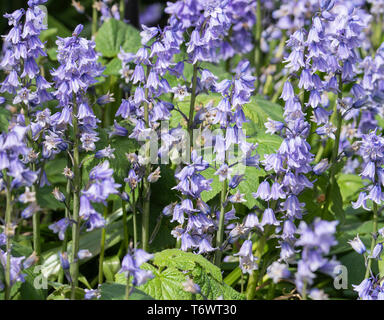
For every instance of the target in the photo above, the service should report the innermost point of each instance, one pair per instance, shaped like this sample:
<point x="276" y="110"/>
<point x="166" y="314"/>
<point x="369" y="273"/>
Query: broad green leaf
<point x="26" y="290"/>
<point x="171" y="268"/>
<point x="184" y="106"/>
<point x="250" y="185"/>
<point x="5" y="116"/>
<point x="88" y="240"/>
<point x="119" y="163"/>
<point x="116" y="291"/>
<point x="46" y="200"/>
<point x="167" y="284"/>
<point x="350" y="185"/>
<point x="218" y="70"/>
<point x="115" y="34"/>
<point x="111" y="266"/>
<point x="213" y="289"/>
<point x="259" y="110"/>
<point x="46" y="34"/>
<point x="62" y="30"/>
<point x="63" y="292"/>
<point x="336" y="206"/>
<point x="216" y="185"/>
<point x="113" y="67"/>
<point x="52" y="54"/>
<point x="267" y="143"/>
<point x="186" y="261"/>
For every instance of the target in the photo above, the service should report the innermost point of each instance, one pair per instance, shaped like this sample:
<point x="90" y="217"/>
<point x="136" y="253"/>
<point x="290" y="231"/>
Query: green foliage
<point x="259" y="110"/>
<point x="250" y="185"/>
<point x="171" y="269"/>
<point x="113" y="67"/>
<point x="116" y="291"/>
<point x="89" y="240"/>
<point x="115" y="34"/>
<point x="111" y="266"/>
<point x="5" y="116"/>
<point x="336" y="206"/>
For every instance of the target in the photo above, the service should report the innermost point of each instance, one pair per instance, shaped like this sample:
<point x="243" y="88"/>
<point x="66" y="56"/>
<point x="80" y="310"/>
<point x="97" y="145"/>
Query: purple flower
<point x="357" y="245"/>
<point x="131" y="266"/>
<point x="247" y="259"/>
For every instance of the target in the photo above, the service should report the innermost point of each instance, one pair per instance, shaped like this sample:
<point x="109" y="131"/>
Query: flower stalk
<point x="146" y="183"/>
<point x="8" y="232"/>
<point x="74" y="268"/>
<point x="193" y="100"/>
<point x="374" y="239"/>
<point x="220" y="231"/>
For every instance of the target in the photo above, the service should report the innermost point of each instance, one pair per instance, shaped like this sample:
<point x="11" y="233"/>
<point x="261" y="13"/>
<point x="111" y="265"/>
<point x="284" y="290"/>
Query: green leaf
<point x="267" y="143"/>
<point x="350" y="186"/>
<point x="171" y="268"/>
<point x="88" y="240"/>
<point x="46" y="34"/>
<point x="250" y="185"/>
<point x="201" y="100"/>
<point x="46" y="200"/>
<point x="337" y="203"/>
<point x="63" y="292"/>
<point x="111" y="266"/>
<point x="259" y="110"/>
<point x="27" y="288"/>
<point x="113" y="67"/>
<point x="52" y="54"/>
<point x="120" y="163"/>
<point x="215" y="185"/>
<point x="62" y="30"/>
<point x="5" y="117"/>
<point x="167" y="284"/>
<point x="186" y="261"/>
<point x="54" y="170"/>
<point x="115" y="34"/>
<point x="213" y="289"/>
<point x="116" y="291"/>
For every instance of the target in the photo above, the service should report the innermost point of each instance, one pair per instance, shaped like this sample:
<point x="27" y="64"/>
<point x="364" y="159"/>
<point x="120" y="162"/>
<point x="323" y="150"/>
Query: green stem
<point x="36" y="232"/>
<point x="304" y="291"/>
<point x="278" y="93"/>
<point x="36" y="216"/>
<point x="125" y="225"/>
<point x="67" y="216"/>
<point x="146" y="183"/>
<point x="134" y="219"/>
<point x="254" y="277"/>
<point x="220" y="231"/>
<point x="94" y="19"/>
<point x="146" y="212"/>
<point x="335" y="152"/>
<point x="319" y="153"/>
<point x="192" y="103"/>
<point x="63" y="249"/>
<point x="8" y="232"/>
<point x="122" y="9"/>
<point x="76" y="204"/>
<point x="127" y="288"/>
<point x="373" y="242"/>
<point x="102" y="249"/>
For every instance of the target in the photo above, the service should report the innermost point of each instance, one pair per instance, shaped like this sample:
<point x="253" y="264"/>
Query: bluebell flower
<point x="357" y="245"/>
<point x="131" y="266"/>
